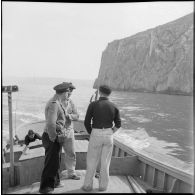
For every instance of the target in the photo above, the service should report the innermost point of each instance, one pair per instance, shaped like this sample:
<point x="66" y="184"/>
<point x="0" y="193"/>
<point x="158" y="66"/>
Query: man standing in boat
<point x="69" y="142"/>
<point x="53" y="137"/>
<point x="102" y="114"/>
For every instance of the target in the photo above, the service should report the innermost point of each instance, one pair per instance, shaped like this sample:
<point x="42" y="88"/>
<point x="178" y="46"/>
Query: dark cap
<point x="105" y="89"/>
<point x="71" y="86"/>
<point x="63" y="87"/>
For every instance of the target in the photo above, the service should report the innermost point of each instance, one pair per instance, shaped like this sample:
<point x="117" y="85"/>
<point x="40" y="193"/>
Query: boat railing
<point x="158" y="175"/>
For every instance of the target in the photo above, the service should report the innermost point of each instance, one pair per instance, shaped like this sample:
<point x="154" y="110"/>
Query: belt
<point x="102" y="127"/>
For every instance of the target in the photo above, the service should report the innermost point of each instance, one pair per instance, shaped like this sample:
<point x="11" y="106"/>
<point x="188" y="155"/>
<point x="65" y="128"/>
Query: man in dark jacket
<point x="52" y="138"/>
<point x="102" y="114"/>
<point x="30" y="137"/>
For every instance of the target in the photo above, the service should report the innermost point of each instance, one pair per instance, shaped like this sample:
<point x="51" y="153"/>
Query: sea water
<point x="149" y="120"/>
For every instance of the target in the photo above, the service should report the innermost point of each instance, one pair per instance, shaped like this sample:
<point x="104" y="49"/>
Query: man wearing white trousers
<point x="105" y="118"/>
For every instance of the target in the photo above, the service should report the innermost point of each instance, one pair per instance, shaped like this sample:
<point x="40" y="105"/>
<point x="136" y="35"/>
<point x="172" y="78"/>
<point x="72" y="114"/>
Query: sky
<point x="66" y="40"/>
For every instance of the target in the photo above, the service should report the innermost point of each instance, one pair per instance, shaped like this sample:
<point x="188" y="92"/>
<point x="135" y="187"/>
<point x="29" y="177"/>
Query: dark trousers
<point x="50" y="174"/>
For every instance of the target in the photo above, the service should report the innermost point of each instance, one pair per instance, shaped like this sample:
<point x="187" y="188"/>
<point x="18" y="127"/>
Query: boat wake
<point x="137" y="139"/>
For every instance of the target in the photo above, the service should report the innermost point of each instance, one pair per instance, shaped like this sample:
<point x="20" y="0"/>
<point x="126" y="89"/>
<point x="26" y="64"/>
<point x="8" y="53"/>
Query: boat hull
<point x="143" y="172"/>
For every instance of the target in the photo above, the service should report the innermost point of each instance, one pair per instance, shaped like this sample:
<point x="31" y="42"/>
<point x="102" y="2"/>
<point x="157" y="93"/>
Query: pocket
<point x="109" y="140"/>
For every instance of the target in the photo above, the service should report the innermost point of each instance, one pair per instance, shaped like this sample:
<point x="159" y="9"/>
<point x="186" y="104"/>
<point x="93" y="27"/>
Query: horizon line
<point x="60" y="77"/>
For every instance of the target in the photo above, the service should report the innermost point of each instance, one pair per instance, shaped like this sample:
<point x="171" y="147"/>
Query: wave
<point x="177" y="130"/>
<point x="141" y="119"/>
<point x="163" y="115"/>
<point x="132" y="108"/>
<point x="139" y="139"/>
<point x="25" y="120"/>
<point x="38" y="115"/>
<point x="138" y="118"/>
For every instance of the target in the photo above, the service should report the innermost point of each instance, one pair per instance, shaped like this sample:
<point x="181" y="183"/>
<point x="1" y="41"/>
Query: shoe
<point x="75" y="177"/>
<point x="102" y="189"/>
<point x="86" y="189"/>
<point x="59" y="185"/>
<point x="46" y="190"/>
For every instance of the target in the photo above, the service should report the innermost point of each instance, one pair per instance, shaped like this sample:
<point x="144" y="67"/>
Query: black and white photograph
<point x="97" y="97"/>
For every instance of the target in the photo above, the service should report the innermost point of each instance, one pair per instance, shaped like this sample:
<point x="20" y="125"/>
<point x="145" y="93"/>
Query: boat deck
<point x="117" y="184"/>
<point x="80" y="146"/>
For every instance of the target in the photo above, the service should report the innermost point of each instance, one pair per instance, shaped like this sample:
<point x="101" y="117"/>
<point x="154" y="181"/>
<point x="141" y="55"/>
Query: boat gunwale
<point x="172" y="171"/>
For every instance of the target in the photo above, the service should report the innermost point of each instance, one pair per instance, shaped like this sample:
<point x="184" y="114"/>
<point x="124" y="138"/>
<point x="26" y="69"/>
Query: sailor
<point x="52" y="138"/>
<point x="69" y="142"/>
<point x="103" y="114"/>
<point x="30" y="137"/>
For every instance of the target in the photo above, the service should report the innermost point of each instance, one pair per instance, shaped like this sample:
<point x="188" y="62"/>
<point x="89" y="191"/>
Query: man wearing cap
<point x="102" y="113"/>
<point x="69" y="142"/>
<point x="52" y="138"/>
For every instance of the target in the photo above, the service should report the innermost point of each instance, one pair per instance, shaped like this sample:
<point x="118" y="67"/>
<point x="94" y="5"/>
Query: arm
<point x="51" y="121"/>
<point x="59" y="126"/>
<point x="88" y="117"/>
<point x="117" y="120"/>
<point x="74" y="115"/>
<point x="26" y="141"/>
<point x="25" y="148"/>
<point x="38" y="136"/>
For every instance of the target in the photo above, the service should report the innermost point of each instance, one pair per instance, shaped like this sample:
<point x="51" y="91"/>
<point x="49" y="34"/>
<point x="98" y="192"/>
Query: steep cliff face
<point x="156" y="60"/>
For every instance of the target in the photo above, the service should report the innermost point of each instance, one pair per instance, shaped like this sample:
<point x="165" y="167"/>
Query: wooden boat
<point x="130" y="170"/>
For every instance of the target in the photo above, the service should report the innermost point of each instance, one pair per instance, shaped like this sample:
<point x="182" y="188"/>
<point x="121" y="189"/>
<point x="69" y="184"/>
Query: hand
<point x="68" y="116"/>
<point x="114" y="129"/>
<point x="61" y="138"/>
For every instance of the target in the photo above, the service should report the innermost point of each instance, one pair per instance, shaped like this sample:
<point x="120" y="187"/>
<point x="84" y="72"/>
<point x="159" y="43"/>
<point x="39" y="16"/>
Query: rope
<point x="95" y="96"/>
<point x="15" y="113"/>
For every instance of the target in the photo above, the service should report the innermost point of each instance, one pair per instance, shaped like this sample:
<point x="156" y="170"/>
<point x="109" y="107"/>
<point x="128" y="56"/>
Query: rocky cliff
<point x="157" y="60"/>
